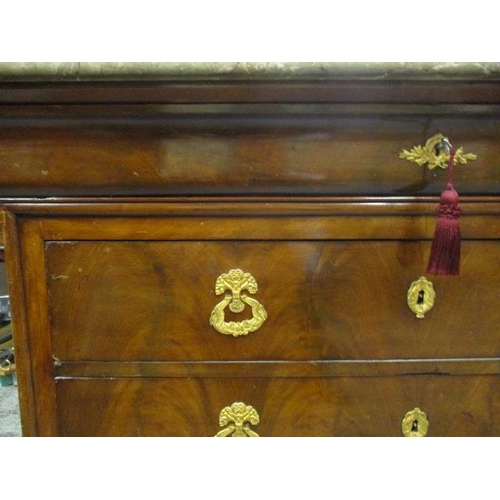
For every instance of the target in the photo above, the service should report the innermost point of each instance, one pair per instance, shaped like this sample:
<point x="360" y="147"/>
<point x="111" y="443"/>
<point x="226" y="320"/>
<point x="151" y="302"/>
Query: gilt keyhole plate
<point x="415" y="423"/>
<point x="421" y="297"/>
<point x="236" y="282"/>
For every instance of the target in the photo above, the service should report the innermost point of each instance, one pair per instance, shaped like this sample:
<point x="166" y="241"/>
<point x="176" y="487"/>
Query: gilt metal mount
<point x="236" y="419"/>
<point x="415" y="423"/>
<point x="436" y="154"/>
<point x="235" y="282"/>
<point x="421" y="297"/>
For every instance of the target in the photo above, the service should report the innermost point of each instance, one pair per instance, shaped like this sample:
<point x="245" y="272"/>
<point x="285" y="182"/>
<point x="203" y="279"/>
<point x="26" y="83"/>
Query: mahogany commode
<point x="233" y="257"/>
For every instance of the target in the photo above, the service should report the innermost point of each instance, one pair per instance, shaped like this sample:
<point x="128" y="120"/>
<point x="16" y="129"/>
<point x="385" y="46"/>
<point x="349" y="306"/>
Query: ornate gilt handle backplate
<point x="236" y="418"/>
<point x="434" y="154"/>
<point x="236" y="281"/>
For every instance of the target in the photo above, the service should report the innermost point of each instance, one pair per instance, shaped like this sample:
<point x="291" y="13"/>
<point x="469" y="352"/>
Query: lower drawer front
<point x="352" y="406"/>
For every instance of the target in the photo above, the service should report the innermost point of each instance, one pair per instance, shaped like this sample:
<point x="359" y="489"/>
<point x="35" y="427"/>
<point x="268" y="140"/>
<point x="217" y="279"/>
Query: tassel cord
<point x="445" y="250"/>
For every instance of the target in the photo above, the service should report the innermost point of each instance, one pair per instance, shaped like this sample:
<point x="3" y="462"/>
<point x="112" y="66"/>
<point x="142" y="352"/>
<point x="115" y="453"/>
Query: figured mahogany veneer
<point x="340" y="300"/>
<point x="124" y="202"/>
<point x="345" y="406"/>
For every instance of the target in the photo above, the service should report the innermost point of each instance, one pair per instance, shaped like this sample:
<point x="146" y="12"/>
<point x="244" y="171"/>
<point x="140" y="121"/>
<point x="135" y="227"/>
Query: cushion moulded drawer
<point x="324" y="300"/>
<point x="346" y="406"/>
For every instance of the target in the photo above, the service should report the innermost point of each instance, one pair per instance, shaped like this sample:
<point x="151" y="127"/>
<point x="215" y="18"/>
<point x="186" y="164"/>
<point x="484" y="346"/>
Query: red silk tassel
<point x="445" y="251"/>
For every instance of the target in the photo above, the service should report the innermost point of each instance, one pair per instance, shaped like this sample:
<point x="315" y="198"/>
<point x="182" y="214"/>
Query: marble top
<point x="77" y="71"/>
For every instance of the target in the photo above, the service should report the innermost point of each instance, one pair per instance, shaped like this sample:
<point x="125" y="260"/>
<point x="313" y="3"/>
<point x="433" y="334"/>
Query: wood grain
<point x="312" y="368"/>
<point x="40" y="349"/>
<point x="20" y="328"/>
<point x="241" y="153"/>
<point x="343" y="300"/>
<point x="2" y="233"/>
<point x="124" y="201"/>
<point x="455" y="406"/>
<point x="307" y="90"/>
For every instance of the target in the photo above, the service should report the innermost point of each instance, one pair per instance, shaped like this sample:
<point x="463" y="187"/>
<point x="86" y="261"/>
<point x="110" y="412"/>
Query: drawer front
<point x="145" y="300"/>
<point x="331" y="154"/>
<point x="453" y="406"/>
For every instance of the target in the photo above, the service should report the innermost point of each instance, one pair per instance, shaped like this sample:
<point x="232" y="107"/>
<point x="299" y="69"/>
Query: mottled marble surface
<point x="253" y="70"/>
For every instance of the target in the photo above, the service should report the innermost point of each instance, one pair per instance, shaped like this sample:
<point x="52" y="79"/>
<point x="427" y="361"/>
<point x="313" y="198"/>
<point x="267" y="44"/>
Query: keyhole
<point x="420" y="298"/>
<point x="414" y="426"/>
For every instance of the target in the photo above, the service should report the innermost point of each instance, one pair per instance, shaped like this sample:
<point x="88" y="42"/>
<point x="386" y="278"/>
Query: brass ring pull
<point x="234" y="418"/>
<point x="435" y="154"/>
<point x="421" y="297"/>
<point x="236" y="281"/>
<point x="415" y="423"/>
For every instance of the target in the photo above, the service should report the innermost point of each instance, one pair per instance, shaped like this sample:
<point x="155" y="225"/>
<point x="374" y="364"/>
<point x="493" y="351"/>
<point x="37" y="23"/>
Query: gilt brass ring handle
<point x="415" y="423"/>
<point x="236" y="281"/>
<point x="435" y="153"/>
<point x="421" y="296"/>
<point x="236" y="418"/>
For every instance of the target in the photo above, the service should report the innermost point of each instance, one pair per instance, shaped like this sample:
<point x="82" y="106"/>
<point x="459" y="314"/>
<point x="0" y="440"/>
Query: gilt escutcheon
<point x="415" y="423"/>
<point x="421" y="297"/>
